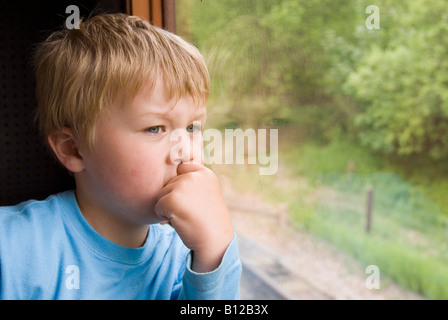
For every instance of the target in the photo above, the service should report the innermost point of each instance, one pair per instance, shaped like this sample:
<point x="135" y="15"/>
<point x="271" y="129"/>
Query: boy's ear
<point x="66" y="150"/>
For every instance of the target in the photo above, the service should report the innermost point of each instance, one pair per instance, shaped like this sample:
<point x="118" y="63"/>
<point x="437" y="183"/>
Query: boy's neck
<point x="110" y="227"/>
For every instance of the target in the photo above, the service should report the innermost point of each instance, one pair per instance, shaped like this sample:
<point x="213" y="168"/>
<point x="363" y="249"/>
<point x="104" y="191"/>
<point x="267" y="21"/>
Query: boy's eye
<point x="155" y="130"/>
<point x="193" y="128"/>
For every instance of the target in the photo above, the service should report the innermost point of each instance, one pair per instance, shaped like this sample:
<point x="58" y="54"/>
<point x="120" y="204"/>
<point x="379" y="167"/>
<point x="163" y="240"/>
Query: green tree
<point x="267" y="58"/>
<point x="402" y="88"/>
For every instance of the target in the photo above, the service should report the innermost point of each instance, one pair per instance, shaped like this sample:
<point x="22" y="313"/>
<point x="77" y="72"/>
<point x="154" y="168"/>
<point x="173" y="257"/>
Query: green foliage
<point x="313" y="160"/>
<point x="408" y="236"/>
<point x="269" y="59"/>
<point x="266" y="58"/>
<point x="313" y="67"/>
<point x="407" y="240"/>
<point x="402" y="88"/>
<point x="406" y="265"/>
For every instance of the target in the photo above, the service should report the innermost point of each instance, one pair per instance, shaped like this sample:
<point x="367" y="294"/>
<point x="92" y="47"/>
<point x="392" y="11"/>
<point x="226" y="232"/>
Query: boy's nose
<point x="185" y="149"/>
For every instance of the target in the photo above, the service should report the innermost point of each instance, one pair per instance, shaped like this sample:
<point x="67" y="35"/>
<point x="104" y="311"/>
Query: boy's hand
<point x="193" y="204"/>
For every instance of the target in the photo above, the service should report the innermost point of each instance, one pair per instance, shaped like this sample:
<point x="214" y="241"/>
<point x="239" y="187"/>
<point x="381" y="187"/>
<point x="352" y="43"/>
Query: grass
<point x="408" y="240"/>
<point x="324" y="187"/>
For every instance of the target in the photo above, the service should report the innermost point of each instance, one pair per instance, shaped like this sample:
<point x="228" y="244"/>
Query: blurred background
<point x="361" y="107"/>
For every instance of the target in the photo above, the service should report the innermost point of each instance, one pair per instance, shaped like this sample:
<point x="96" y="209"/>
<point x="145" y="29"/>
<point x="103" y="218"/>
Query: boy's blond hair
<point x="110" y="57"/>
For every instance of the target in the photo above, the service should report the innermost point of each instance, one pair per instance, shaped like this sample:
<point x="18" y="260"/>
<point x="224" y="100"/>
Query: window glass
<point x="328" y="128"/>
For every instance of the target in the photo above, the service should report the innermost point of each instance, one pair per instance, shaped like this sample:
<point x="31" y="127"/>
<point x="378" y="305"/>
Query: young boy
<point x="110" y="96"/>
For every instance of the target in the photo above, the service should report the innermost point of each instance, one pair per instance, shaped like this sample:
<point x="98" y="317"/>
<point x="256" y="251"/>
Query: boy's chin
<point x="152" y="218"/>
<point x="157" y="221"/>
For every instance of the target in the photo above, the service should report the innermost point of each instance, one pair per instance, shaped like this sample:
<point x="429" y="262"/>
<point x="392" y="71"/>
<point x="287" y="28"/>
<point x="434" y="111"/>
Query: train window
<point x="332" y="140"/>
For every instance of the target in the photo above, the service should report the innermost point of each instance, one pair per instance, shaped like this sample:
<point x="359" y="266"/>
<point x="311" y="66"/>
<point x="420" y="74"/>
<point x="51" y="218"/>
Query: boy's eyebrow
<point x="165" y="114"/>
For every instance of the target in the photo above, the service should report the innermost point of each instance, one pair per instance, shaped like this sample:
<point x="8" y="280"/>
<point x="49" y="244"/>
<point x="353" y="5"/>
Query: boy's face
<point x="133" y="159"/>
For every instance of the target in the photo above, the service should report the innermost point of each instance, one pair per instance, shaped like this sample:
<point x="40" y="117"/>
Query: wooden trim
<point x="169" y="15"/>
<point x="161" y="13"/>
<point x="156" y="13"/>
<point x="140" y="8"/>
<point x="128" y="5"/>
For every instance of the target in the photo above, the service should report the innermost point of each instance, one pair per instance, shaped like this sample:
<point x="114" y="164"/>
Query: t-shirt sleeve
<point x="223" y="283"/>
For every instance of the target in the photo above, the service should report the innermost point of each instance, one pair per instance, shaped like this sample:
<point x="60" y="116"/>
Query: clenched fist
<point x="193" y="204"/>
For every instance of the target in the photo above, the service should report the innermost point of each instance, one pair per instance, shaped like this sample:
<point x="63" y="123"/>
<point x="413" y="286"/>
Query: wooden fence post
<point x="369" y="210"/>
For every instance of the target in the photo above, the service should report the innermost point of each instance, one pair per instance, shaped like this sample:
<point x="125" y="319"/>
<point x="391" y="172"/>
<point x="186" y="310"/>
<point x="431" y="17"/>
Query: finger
<point x="183" y="168"/>
<point x="161" y="208"/>
<point x="166" y="189"/>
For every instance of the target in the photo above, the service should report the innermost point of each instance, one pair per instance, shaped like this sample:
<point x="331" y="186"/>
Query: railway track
<point x="266" y="278"/>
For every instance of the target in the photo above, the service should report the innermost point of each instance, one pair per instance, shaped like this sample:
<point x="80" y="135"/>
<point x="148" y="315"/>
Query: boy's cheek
<point x="135" y="173"/>
<point x="139" y="183"/>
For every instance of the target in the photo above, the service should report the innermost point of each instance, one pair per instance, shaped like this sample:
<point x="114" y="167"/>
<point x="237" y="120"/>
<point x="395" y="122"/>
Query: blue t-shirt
<point x="49" y="251"/>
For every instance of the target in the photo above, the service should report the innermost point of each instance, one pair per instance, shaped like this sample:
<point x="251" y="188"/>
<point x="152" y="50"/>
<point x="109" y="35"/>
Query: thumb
<point x="183" y="168"/>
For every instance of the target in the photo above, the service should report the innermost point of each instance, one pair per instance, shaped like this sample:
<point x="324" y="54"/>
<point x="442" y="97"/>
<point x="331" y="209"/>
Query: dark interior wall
<point x="27" y="170"/>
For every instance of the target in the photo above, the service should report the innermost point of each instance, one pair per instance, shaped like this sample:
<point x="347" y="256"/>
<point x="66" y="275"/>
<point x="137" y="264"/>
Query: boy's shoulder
<point x="31" y="214"/>
<point x="33" y="204"/>
<point x="32" y="224"/>
<point x="31" y="235"/>
<point x="32" y="210"/>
